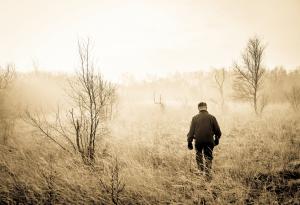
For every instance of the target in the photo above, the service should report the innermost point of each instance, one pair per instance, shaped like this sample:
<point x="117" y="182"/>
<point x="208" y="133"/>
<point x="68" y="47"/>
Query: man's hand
<point x="216" y="141"/>
<point x="190" y="145"/>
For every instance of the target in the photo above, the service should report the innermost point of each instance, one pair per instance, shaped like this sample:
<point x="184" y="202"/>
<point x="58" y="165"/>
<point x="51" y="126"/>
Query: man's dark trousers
<point x="204" y="150"/>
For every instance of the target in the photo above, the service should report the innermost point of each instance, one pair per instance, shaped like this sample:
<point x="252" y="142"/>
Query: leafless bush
<point x="115" y="186"/>
<point x="90" y="94"/>
<point x="159" y="102"/>
<point x="111" y="104"/>
<point x="248" y="79"/>
<point x="220" y="76"/>
<point x="7" y="128"/>
<point x="293" y="97"/>
<point x="264" y="100"/>
<point x="49" y="176"/>
<point x="7" y="119"/>
<point x="7" y="75"/>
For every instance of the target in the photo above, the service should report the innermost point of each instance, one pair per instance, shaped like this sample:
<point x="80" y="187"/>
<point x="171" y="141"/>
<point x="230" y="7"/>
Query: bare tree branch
<point x="36" y="122"/>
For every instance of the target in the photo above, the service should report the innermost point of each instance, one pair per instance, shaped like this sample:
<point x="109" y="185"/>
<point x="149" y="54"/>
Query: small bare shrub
<point x="50" y="194"/>
<point x="220" y="77"/>
<point x="264" y="100"/>
<point x="293" y="97"/>
<point x="7" y="119"/>
<point x="159" y="102"/>
<point x="7" y="75"/>
<point x="115" y="186"/>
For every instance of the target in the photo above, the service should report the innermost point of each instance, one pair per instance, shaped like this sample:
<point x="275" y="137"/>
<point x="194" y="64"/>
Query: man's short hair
<point x="202" y="104"/>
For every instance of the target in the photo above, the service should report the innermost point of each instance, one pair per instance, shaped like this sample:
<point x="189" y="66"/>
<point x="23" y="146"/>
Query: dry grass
<point x="255" y="163"/>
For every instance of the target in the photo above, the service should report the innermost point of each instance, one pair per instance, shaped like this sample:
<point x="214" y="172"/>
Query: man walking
<point x="206" y="132"/>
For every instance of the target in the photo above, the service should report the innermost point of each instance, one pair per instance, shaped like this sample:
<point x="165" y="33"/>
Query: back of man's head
<point x="202" y="106"/>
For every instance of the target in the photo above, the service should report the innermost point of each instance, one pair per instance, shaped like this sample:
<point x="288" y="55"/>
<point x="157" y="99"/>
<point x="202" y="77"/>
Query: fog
<point x="142" y="137"/>
<point x="188" y="102"/>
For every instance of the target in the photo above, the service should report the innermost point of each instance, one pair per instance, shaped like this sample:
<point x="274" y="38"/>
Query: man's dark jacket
<point x="203" y="127"/>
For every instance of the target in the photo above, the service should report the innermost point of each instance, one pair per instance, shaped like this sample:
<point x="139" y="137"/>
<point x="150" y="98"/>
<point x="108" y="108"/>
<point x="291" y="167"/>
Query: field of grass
<point x="144" y="160"/>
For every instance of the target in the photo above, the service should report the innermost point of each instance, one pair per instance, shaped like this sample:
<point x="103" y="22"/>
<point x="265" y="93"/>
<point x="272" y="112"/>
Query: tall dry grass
<point x="257" y="162"/>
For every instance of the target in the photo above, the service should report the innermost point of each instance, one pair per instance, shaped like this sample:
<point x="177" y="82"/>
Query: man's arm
<point x="216" y="128"/>
<point x="190" y="135"/>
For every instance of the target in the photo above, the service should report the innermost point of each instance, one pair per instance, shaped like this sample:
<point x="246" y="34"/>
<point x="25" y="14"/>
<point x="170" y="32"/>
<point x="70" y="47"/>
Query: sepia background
<point x="96" y="99"/>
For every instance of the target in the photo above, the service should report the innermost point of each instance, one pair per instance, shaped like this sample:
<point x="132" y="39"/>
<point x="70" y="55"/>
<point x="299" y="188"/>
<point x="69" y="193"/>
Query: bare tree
<point x="293" y="97"/>
<point x="249" y="75"/>
<point x="220" y="76"/>
<point x="89" y="94"/>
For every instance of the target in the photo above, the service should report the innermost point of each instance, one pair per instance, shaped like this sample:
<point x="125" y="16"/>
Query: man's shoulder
<point x="207" y="115"/>
<point x="196" y="116"/>
<point x="201" y="114"/>
<point x="210" y="115"/>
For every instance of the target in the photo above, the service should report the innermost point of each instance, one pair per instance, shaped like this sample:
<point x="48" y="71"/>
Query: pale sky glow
<point x="147" y="37"/>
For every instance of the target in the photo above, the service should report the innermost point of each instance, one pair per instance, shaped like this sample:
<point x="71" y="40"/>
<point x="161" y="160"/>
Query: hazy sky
<point x="143" y="37"/>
